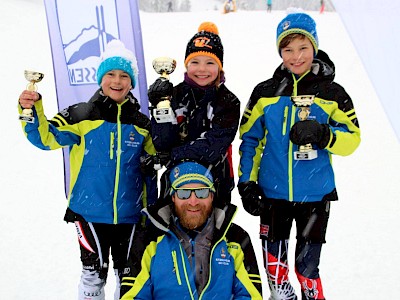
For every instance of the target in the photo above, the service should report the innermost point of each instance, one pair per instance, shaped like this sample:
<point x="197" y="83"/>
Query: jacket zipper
<point x="117" y="169"/>
<point x="185" y="272"/>
<point x="178" y="276"/>
<point x="290" y="156"/>
<point x="292" y="118"/>
<point x="212" y="253"/>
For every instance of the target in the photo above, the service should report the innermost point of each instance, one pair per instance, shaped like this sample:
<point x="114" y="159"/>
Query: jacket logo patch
<point x="64" y="113"/>
<point x="223" y="253"/>
<point x="326" y="102"/>
<point x="222" y="260"/>
<point x="286" y="25"/>
<point x="131" y="142"/>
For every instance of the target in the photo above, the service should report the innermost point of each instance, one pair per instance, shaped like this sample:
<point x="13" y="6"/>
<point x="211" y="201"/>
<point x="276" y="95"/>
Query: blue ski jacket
<point x="267" y="154"/>
<point x="105" y="141"/>
<point x="219" y="263"/>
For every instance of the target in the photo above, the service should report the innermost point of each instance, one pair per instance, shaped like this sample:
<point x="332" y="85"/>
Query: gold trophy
<point x="163" y="112"/>
<point x="33" y="77"/>
<point x="304" y="102"/>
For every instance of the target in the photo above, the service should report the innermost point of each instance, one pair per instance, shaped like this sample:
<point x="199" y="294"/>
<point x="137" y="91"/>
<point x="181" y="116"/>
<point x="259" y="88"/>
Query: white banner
<point x="375" y="31"/>
<point x="79" y="31"/>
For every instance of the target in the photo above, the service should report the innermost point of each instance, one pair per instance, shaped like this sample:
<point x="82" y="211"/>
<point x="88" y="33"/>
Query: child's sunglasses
<point x="201" y="193"/>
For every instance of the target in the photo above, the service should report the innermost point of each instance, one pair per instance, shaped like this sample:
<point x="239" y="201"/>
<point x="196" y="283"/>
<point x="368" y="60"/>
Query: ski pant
<point x="96" y="240"/>
<point x="311" y="223"/>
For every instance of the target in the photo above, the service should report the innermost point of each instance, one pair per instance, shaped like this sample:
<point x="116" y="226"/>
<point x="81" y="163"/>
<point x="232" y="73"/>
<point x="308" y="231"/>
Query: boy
<point x="291" y="126"/>
<point x="106" y="137"/>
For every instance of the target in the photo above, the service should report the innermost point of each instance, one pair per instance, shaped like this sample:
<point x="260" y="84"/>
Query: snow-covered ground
<point x="39" y="253"/>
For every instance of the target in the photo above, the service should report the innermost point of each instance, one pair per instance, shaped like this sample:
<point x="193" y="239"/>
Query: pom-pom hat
<point x="117" y="57"/>
<point x="206" y="42"/>
<point x="297" y="23"/>
<point x="190" y="172"/>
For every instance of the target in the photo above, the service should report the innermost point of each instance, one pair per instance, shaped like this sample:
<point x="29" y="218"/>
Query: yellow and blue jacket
<point x="105" y="141"/>
<point x="267" y="154"/>
<point x="218" y="263"/>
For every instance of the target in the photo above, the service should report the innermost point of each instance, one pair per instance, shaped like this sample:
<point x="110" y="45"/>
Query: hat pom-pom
<point x="294" y="10"/>
<point x="209" y="27"/>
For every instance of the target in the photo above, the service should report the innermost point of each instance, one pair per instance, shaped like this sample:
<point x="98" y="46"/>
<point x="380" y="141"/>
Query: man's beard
<point x="192" y="222"/>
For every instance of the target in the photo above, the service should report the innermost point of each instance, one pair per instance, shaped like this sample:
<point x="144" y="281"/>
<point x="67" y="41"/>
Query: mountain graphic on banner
<point x="92" y="47"/>
<point x="89" y="48"/>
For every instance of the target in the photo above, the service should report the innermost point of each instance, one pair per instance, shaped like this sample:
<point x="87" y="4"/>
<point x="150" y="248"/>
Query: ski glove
<point x="163" y="159"/>
<point x="310" y="132"/>
<point x="160" y="90"/>
<point x="251" y="197"/>
<point x="147" y="165"/>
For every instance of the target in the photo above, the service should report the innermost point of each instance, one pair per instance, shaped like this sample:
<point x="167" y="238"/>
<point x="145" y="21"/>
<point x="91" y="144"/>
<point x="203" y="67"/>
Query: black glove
<point x="162" y="159"/>
<point x="251" y="197"/>
<point x="160" y="90"/>
<point x="310" y="132"/>
<point x="147" y="165"/>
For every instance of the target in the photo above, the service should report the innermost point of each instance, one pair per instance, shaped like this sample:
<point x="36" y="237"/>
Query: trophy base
<point x="27" y="119"/>
<point x="164" y="115"/>
<point x="307" y="155"/>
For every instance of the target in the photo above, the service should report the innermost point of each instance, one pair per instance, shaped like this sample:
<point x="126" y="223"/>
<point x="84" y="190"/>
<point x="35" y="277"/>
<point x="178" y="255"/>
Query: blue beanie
<point x="190" y="172"/>
<point x="117" y="57"/>
<point x="297" y="23"/>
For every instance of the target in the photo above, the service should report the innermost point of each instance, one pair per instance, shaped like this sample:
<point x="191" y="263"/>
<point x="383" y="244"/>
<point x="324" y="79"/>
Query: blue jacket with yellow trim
<point x="267" y="154"/>
<point x="105" y="141"/>
<point x="219" y="263"/>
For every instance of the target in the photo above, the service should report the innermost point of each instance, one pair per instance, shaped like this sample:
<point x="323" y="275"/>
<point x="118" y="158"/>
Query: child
<point x="207" y="114"/>
<point x="106" y="138"/>
<point x="280" y="182"/>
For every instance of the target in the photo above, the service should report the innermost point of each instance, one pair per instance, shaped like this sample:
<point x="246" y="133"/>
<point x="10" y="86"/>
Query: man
<point x="194" y="250"/>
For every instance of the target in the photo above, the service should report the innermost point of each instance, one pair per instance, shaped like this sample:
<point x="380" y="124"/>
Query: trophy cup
<point x="163" y="112"/>
<point x="33" y="77"/>
<point x="304" y="102"/>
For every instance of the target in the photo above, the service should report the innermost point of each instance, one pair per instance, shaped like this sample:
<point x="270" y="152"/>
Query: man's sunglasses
<point x="184" y="194"/>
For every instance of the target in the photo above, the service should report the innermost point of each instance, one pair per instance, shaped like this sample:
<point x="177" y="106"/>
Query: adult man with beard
<point x="194" y="250"/>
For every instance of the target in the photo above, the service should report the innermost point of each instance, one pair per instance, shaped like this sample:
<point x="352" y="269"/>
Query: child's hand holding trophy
<point x="163" y="112"/>
<point x="303" y="103"/>
<point x="33" y="77"/>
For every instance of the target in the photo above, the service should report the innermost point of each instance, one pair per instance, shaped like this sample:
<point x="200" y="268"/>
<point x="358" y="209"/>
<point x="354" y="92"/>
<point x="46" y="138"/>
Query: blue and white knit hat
<point x="190" y="172"/>
<point x="117" y="57"/>
<point x="297" y="23"/>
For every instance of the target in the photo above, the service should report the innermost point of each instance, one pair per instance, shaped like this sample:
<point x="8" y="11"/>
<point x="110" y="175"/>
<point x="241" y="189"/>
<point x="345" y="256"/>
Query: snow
<point x="39" y="251"/>
<point x="197" y="6"/>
